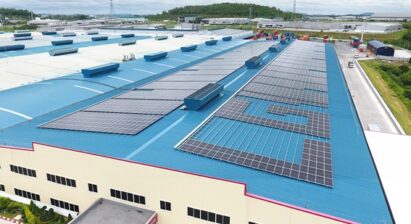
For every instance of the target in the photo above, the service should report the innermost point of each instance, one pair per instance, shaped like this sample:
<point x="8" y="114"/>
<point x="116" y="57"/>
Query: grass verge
<point x="390" y="91"/>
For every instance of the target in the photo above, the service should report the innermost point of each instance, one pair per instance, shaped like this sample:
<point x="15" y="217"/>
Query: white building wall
<point x="181" y="189"/>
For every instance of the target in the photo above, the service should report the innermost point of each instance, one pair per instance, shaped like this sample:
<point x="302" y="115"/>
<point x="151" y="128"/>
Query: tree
<point x="406" y="79"/>
<point x="407" y="93"/>
<point x="407" y="36"/>
<point x="404" y="68"/>
<point x="223" y="10"/>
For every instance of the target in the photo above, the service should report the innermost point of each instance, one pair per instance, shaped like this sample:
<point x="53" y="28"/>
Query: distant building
<point x="43" y="22"/>
<point x="270" y="23"/>
<point x="379" y="48"/>
<point x="337" y="26"/>
<point x="186" y="19"/>
<point x="391" y="16"/>
<point x="226" y="21"/>
<point x="189" y="26"/>
<point x="380" y="27"/>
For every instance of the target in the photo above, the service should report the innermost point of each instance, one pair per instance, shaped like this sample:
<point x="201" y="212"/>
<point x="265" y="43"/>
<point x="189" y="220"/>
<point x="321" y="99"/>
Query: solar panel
<point x="159" y="107"/>
<point x="193" y="78"/>
<point x="202" y="72"/>
<point x="157" y="94"/>
<point x="318" y="123"/>
<point x="299" y="96"/>
<point x="315" y="166"/>
<point x="218" y="67"/>
<point x="223" y="62"/>
<point x="128" y="124"/>
<point x="175" y="85"/>
<point x="131" y="112"/>
<point x="289" y="83"/>
<point x="297" y="77"/>
<point x="298" y="71"/>
<point x="294" y="77"/>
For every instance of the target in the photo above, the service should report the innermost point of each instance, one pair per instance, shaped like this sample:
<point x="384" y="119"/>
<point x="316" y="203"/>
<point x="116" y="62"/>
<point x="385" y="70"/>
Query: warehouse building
<point x="199" y="128"/>
<point x="391" y="16"/>
<point x="379" y="48"/>
<point x="226" y="21"/>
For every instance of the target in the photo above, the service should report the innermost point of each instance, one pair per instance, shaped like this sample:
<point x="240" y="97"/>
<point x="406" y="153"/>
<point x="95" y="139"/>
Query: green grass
<point x="391" y="90"/>
<point x="12" y="28"/>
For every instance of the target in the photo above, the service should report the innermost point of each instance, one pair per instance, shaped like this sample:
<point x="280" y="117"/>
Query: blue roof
<point x="356" y="193"/>
<point x="376" y="43"/>
<point x="81" y="44"/>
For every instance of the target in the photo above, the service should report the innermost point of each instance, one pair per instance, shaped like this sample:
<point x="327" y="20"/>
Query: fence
<point x="391" y="58"/>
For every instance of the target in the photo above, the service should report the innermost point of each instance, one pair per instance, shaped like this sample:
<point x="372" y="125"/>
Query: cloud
<point x="151" y="6"/>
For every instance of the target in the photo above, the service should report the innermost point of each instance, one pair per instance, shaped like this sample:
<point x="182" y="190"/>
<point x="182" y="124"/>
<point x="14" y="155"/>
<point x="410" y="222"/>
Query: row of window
<point x="92" y="188"/>
<point x="128" y="196"/>
<point x="27" y="194"/>
<point x="65" y="205"/>
<point x="165" y="205"/>
<point x="208" y="216"/>
<point x="61" y="180"/>
<point x="22" y="170"/>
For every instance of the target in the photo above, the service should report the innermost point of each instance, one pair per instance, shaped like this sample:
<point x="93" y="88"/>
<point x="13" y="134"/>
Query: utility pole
<point x="294" y="9"/>
<point x="111" y="9"/>
<point x="250" y="16"/>
<point x="363" y="28"/>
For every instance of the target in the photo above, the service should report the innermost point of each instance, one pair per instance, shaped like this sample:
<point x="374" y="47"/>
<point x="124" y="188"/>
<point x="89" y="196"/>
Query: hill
<point x="223" y="10"/>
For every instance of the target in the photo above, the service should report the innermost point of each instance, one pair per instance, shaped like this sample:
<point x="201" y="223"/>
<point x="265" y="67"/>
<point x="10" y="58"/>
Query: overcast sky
<point x="153" y="6"/>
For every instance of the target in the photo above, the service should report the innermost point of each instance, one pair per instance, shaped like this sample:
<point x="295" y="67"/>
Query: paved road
<point x="5" y="222"/>
<point x="372" y="114"/>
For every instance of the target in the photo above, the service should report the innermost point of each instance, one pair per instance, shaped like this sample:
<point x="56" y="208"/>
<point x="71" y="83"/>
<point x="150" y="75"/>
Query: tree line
<point x="224" y="10"/>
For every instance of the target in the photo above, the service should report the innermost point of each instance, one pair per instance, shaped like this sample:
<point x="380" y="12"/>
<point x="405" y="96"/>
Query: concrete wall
<point x="181" y="189"/>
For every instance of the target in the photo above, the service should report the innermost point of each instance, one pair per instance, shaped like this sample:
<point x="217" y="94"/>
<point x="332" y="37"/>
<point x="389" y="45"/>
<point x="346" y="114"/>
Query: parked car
<point x="350" y="64"/>
<point x="356" y="56"/>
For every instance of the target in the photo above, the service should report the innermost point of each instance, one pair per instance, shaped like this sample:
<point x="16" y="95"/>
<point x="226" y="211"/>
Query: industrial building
<point x="379" y="48"/>
<point x="344" y="26"/>
<point x="184" y="127"/>
<point x="226" y="21"/>
<point x="391" y="17"/>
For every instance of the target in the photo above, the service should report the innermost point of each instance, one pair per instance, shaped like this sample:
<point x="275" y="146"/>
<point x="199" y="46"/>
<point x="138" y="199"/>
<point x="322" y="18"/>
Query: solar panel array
<point x="133" y="111"/>
<point x="290" y="101"/>
<point x="315" y="166"/>
<point x="318" y="124"/>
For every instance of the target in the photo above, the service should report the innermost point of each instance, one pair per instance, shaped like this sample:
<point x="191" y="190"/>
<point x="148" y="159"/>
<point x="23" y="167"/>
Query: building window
<point x="2" y="188"/>
<point x="165" y="205"/>
<point x="92" y="187"/>
<point x="128" y="196"/>
<point x="23" y="171"/>
<point x="208" y="216"/>
<point x="27" y="194"/>
<point x="252" y="223"/>
<point x="61" y="180"/>
<point x="65" y="205"/>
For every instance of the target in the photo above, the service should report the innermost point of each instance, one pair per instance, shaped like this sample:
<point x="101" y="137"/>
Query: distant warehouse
<point x="379" y="48"/>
